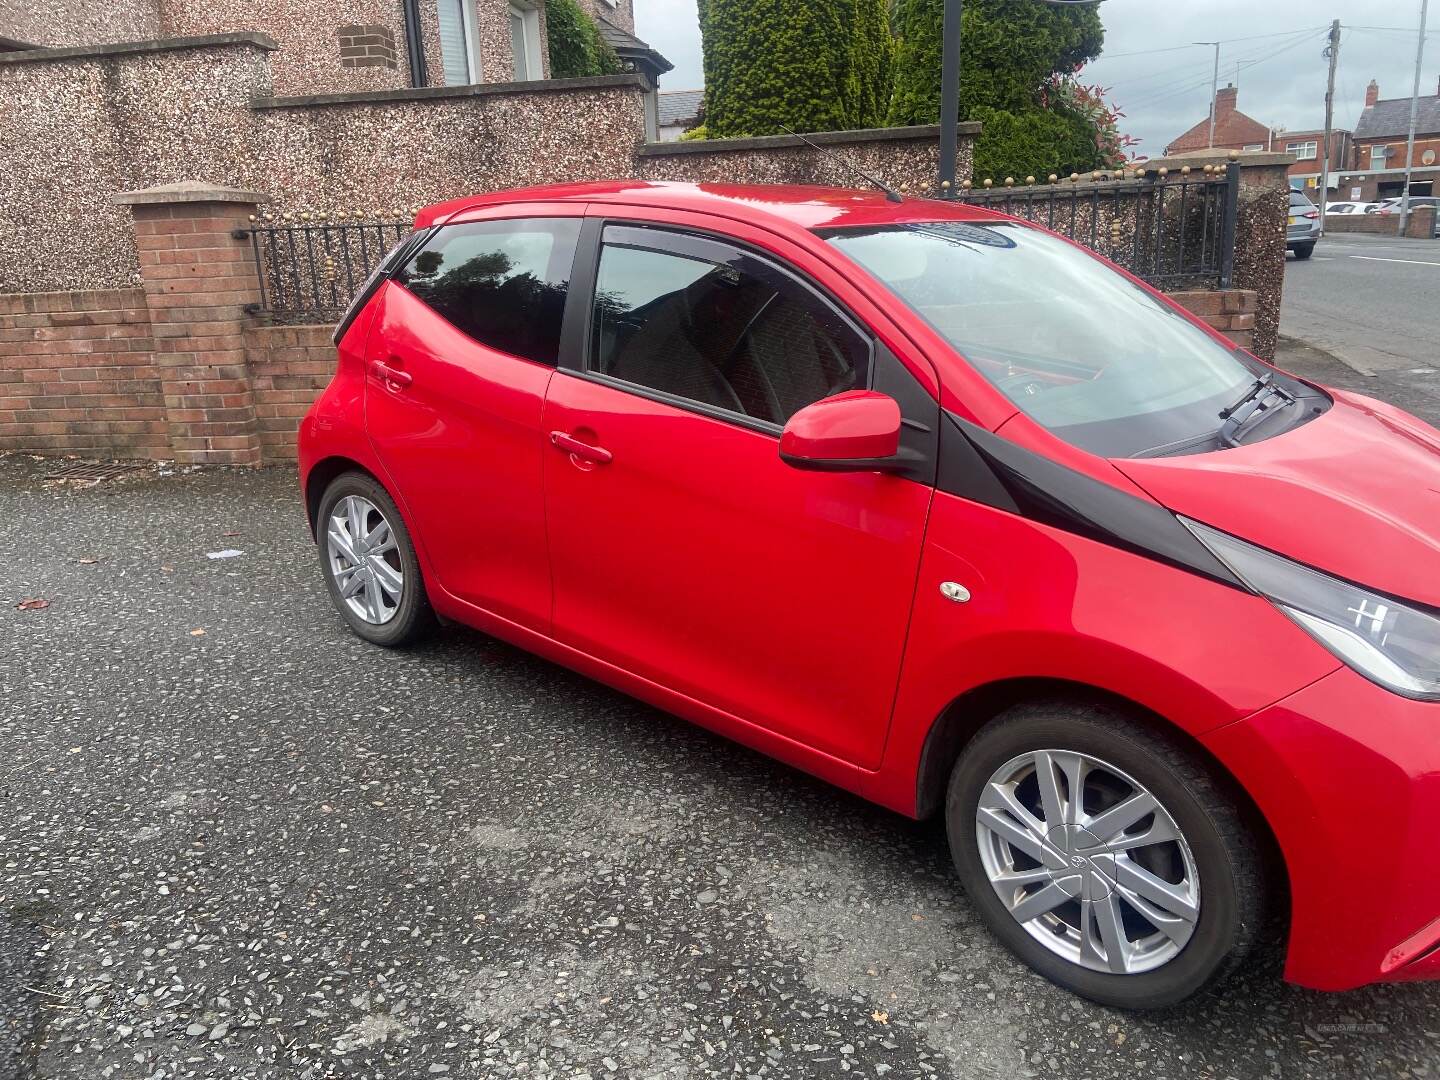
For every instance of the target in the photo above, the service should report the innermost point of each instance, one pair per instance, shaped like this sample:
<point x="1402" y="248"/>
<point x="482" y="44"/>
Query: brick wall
<point x="288" y="367"/>
<point x="1421" y="225"/>
<point x="367" y="46"/>
<point x="78" y="375"/>
<point x="1231" y="311"/>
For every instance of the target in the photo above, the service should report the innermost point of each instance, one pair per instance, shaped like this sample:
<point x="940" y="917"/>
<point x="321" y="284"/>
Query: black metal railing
<point x="312" y="265"/>
<point x="1171" y="227"/>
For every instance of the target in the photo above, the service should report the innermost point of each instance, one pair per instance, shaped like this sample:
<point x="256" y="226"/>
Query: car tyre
<point x="1304" y="251"/>
<point x="376" y="586"/>
<point x="1218" y="853"/>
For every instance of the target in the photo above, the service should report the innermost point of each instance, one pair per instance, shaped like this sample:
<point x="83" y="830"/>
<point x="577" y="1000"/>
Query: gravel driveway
<point x="235" y="842"/>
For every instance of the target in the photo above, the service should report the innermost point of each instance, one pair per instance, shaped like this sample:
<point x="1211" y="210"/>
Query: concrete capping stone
<point x="427" y="93"/>
<point x="823" y="138"/>
<point x="1246" y="160"/>
<point x="130" y="48"/>
<point x="188" y="191"/>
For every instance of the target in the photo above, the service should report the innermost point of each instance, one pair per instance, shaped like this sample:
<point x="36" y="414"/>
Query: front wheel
<point x="369" y="561"/>
<point x="1108" y="858"/>
<point x="1304" y="251"/>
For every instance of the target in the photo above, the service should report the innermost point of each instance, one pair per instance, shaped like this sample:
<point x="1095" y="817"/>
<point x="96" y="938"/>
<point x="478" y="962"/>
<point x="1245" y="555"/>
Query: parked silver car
<point x="1303" y="228"/>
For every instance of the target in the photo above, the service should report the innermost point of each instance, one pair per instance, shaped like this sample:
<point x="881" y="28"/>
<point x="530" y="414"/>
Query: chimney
<point x="1372" y="93"/>
<point x="1225" y="99"/>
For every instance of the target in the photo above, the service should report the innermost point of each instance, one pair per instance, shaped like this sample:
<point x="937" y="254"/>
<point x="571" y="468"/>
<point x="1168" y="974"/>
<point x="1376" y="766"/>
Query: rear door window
<point x="501" y="282"/>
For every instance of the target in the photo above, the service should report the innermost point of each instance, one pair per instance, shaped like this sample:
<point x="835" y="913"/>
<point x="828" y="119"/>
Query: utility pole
<point x="1334" y="52"/>
<point x="1214" y="89"/>
<point x="1414" y="106"/>
<point x="949" y="96"/>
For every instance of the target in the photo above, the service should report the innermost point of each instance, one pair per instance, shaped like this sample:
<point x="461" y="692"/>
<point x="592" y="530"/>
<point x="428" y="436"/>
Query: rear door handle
<point x="392" y="377"/>
<point x="582" y="450"/>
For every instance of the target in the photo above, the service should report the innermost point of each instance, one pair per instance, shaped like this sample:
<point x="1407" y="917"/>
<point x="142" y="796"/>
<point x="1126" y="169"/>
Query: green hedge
<point x="816" y="65"/>
<point x="577" y="50"/>
<point x="1010" y="50"/>
<point x="1035" y="142"/>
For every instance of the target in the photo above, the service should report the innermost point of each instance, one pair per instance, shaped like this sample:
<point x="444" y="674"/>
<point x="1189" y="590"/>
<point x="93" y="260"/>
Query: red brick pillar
<point x="198" y="279"/>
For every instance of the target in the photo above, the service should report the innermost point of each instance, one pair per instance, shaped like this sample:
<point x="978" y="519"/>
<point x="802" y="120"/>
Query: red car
<point x="946" y="510"/>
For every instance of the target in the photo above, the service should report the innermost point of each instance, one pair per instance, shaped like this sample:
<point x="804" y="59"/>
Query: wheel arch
<point x="963" y="718"/>
<point x="322" y="474"/>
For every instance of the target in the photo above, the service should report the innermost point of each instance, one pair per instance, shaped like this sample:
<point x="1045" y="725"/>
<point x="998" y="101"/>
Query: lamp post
<point x="949" y="96"/>
<point x="1414" y="107"/>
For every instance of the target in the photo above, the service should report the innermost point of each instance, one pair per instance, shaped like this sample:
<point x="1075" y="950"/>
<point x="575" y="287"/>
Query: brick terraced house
<point x="1233" y="129"/>
<point x="1377" y="163"/>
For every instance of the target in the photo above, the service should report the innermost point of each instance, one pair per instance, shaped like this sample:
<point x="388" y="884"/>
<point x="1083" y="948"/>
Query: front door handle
<point x="597" y="455"/>
<point x="391" y="377"/>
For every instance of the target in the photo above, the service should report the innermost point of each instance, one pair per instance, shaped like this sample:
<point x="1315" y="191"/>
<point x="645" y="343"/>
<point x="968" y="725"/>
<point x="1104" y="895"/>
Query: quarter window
<point x="501" y="282"/>
<point x="727" y="332"/>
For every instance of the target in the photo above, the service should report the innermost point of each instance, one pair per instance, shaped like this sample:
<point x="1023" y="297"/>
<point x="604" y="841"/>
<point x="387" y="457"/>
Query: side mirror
<point x="857" y="431"/>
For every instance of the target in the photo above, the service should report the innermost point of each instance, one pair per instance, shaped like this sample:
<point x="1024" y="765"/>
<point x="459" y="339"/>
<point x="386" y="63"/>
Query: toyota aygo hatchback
<point x="946" y="510"/>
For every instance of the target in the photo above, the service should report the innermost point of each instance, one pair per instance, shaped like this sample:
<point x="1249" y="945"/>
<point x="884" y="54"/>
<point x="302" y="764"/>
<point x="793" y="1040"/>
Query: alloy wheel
<point x="1088" y="861"/>
<point x="364" y="560"/>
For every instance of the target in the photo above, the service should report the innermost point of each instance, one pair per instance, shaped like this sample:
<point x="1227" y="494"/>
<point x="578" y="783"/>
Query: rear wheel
<point x="1108" y="858"/>
<point x="369" y="561"/>
<point x="1304" y="251"/>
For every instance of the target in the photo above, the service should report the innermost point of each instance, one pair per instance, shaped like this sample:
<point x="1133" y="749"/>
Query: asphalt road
<point x="1370" y="300"/>
<point x="270" y="851"/>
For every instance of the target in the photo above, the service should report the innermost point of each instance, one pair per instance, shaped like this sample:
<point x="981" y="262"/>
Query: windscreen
<point x="1078" y="347"/>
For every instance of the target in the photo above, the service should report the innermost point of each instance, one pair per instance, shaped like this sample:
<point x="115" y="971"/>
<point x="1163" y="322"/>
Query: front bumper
<point x="1348" y="777"/>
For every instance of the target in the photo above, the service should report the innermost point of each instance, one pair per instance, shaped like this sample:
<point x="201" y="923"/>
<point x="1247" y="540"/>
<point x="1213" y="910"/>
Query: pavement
<point x="1369" y="300"/>
<point x="237" y="842"/>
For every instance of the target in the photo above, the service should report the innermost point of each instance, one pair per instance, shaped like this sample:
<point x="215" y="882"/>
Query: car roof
<point x="782" y="206"/>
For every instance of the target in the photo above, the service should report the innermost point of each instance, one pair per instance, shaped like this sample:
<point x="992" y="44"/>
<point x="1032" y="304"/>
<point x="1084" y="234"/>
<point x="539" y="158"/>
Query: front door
<point x="464" y="344"/>
<point x="683" y="549"/>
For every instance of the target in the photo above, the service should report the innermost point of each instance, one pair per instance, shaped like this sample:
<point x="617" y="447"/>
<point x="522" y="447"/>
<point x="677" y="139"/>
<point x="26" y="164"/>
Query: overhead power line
<point x="1191" y="87"/>
<point x="1223" y="41"/>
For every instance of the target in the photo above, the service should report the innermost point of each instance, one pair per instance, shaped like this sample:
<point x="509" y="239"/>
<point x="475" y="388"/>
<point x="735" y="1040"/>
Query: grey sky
<point x="1281" y="77"/>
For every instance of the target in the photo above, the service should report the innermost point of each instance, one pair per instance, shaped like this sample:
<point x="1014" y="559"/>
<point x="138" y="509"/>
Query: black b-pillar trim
<point x="981" y="466"/>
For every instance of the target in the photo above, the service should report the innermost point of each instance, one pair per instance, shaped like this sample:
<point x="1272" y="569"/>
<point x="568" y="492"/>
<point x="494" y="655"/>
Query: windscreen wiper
<point x="1262" y="398"/>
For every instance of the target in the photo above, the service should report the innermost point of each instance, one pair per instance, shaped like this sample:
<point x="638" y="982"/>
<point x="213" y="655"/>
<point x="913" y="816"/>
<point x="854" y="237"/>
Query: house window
<point x="459" y="51"/>
<point x="525" y="42"/>
<point x="1303" y="151"/>
<point x="1378" y="154"/>
<point x="1254" y="146"/>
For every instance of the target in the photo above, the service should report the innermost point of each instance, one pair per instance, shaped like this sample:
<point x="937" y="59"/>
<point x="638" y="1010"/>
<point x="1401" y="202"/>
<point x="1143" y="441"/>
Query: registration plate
<point x="1293" y="220"/>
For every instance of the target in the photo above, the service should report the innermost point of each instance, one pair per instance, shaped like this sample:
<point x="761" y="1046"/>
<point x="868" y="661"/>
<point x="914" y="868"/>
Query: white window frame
<point x="1255" y="146"/>
<point x="1304" y="151"/>
<point x="470" y="34"/>
<point x="1378" y="156"/>
<point x="530" y="30"/>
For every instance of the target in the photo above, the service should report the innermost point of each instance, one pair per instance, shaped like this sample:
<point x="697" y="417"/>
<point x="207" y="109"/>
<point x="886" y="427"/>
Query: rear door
<point x="683" y="549"/>
<point x="465" y="342"/>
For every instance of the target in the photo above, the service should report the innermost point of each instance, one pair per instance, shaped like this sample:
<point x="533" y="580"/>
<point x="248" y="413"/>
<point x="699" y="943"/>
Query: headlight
<point x="1394" y="644"/>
